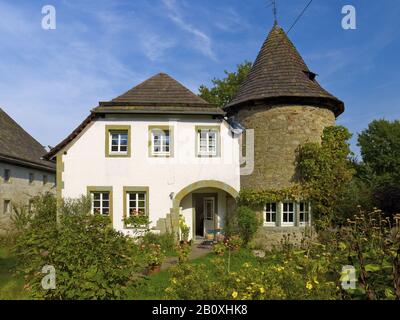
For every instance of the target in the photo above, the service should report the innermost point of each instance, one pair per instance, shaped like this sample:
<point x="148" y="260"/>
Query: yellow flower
<point x="262" y="290"/>
<point x="234" y="295"/>
<point x="173" y="280"/>
<point x="309" y="285"/>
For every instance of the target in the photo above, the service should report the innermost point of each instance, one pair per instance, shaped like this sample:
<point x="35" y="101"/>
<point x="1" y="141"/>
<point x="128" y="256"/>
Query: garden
<point x="352" y="251"/>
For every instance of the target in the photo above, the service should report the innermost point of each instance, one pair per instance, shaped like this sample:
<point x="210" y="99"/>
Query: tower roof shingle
<point x="279" y="72"/>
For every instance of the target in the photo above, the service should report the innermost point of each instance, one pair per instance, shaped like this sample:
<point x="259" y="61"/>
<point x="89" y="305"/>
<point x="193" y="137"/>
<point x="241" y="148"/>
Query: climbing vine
<point x="257" y="198"/>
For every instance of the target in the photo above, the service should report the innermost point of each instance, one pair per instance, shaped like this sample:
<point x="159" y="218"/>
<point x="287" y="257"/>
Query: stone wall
<point x="279" y="131"/>
<point x="19" y="190"/>
<point x="269" y="237"/>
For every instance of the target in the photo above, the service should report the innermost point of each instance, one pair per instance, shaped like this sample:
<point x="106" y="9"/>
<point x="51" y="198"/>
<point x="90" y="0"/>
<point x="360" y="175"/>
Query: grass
<point x="11" y="286"/>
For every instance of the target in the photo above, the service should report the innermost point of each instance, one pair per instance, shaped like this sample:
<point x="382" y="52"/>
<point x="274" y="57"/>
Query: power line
<point x="300" y="15"/>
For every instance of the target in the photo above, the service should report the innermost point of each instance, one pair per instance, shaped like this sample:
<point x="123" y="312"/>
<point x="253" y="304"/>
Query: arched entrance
<point x="205" y="205"/>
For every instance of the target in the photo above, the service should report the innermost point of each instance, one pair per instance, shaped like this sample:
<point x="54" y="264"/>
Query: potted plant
<point x="154" y="256"/>
<point x="184" y="230"/>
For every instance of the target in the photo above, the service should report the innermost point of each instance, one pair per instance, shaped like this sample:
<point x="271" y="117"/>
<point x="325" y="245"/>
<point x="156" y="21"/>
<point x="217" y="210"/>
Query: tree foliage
<point x="325" y="169"/>
<point x="91" y="259"/>
<point x="380" y="149"/>
<point x="223" y="90"/>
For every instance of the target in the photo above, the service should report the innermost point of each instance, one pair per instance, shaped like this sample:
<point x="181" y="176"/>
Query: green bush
<point x="248" y="223"/>
<point x="261" y="281"/>
<point x="166" y="241"/>
<point x="91" y="259"/>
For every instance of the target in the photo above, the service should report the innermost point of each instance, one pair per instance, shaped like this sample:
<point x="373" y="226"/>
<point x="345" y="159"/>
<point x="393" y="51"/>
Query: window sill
<point x="118" y="155"/>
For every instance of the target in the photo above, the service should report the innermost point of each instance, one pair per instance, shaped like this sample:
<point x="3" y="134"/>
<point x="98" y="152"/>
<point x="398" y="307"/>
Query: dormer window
<point x="118" y="141"/>
<point x="208" y="142"/>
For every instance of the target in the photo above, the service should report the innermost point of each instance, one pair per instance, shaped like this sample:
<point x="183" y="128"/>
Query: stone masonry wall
<point x="279" y="131"/>
<point x="19" y="190"/>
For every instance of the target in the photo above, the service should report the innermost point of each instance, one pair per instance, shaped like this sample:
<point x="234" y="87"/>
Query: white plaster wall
<point x="85" y="163"/>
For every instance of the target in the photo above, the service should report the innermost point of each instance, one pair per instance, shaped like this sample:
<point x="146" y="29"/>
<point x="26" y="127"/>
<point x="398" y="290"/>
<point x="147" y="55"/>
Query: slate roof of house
<point x="159" y="94"/>
<point x="19" y="147"/>
<point x="279" y="72"/>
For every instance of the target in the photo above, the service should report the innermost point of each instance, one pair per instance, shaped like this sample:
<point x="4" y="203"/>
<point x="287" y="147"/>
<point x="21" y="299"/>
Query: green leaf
<point x="372" y="268"/>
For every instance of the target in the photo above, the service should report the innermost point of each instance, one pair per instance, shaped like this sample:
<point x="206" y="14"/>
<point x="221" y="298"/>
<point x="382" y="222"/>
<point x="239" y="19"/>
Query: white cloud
<point x="203" y="43"/>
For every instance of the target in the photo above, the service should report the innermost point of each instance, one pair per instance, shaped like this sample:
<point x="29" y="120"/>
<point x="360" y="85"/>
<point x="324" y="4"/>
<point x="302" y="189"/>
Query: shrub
<point x="254" y="282"/>
<point x="165" y="240"/>
<point x="219" y="248"/>
<point x="91" y="259"/>
<point x="248" y="223"/>
<point x="153" y="253"/>
<point x="234" y="242"/>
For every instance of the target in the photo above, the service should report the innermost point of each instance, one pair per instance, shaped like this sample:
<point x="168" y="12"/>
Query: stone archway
<point x="202" y="184"/>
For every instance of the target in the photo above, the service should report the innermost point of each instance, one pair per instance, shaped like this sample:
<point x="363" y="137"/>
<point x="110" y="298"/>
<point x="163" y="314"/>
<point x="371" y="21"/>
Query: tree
<point x="380" y="150"/>
<point x="326" y="171"/>
<point x="223" y="90"/>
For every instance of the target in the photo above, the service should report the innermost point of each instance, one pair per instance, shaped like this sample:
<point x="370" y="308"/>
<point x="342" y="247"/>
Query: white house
<point x="158" y="150"/>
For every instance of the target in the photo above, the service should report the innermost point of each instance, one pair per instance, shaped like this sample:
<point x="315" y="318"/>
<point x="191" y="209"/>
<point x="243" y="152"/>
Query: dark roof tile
<point x="279" y="71"/>
<point x="17" y="146"/>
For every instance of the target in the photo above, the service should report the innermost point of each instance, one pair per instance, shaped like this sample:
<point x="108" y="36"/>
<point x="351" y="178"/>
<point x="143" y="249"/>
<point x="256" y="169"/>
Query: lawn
<point x="11" y="287"/>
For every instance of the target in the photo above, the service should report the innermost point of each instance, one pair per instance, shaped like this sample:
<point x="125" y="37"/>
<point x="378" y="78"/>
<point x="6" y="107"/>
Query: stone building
<point x="23" y="172"/>
<point x="286" y="106"/>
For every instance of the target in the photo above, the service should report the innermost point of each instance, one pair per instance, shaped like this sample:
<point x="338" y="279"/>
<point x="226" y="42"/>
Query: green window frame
<point x="162" y="143"/>
<point x="118" y="130"/>
<point x="208" y="131"/>
<point x="92" y="190"/>
<point x="128" y="191"/>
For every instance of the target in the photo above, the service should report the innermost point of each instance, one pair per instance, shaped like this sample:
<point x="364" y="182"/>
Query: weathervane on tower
<point x="274" y="11"/>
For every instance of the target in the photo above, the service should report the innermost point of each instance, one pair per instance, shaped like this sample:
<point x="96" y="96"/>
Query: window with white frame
<point x="288" y="214"/>
<point x="136" y="203"/>
<point x="207" y="142"/>
<point x="160" y="142"/>
<point x="100" y="203"/>
<point x="270" y="214"/>
<point x="304" y="213"/>
<point x="119" y="142"/>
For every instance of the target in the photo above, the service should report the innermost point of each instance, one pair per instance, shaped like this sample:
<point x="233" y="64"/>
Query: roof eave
<point x="211" y="112"/>
<point x="332" y="103"/>
<point x="26" y="163"/>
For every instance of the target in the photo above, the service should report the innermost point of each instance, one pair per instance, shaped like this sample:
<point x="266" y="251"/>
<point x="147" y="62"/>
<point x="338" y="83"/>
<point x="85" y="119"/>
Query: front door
<point x="209" y="214"/>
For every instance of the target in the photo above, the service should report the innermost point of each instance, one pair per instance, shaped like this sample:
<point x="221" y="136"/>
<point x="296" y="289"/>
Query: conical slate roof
<point x="159" y="94"/>
<point x="19" y="147"/>
<point x="280" y="73"/>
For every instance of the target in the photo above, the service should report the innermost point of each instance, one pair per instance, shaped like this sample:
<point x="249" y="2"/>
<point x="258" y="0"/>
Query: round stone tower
<point x="285" y="105"/>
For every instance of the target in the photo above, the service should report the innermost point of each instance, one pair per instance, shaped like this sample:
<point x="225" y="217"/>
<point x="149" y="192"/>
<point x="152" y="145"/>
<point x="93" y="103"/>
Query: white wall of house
<point x="85" y="163"/>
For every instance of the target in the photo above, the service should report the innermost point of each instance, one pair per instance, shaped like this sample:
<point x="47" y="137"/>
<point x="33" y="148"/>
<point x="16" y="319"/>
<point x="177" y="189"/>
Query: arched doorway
<point x="205" y="205"/>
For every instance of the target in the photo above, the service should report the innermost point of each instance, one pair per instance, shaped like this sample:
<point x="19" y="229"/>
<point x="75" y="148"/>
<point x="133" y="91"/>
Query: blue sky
<point x="50" y="79"/>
